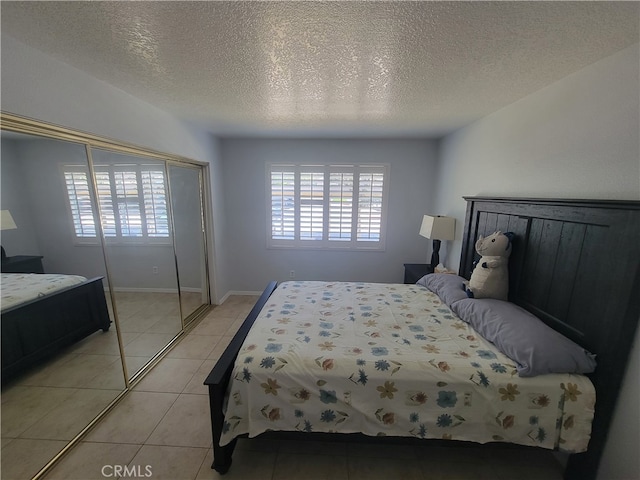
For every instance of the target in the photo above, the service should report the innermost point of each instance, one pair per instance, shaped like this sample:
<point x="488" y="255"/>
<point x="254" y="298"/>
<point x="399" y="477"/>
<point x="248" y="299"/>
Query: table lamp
<point x="438" y="228"/>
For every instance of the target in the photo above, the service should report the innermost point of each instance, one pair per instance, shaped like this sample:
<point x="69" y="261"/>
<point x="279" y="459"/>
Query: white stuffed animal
<point x="490" y="277"/>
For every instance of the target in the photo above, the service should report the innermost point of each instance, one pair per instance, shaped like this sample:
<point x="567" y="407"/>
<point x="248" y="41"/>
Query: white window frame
<point x="115" y="235"/>
<point x="330" y="217"/>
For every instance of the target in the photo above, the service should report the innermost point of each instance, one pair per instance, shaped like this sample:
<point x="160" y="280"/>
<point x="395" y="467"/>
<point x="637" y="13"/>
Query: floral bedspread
<point x="392" y="359"/>
<point x="19" y="288"/>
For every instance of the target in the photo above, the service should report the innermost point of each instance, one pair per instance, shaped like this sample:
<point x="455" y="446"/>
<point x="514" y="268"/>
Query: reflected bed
<point x="58" y="312"/>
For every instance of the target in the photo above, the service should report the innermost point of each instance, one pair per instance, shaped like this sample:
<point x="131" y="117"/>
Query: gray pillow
<point x="523" y="337"/>
<point x="446" y="285"/>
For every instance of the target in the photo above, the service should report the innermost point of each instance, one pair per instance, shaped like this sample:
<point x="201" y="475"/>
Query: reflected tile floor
<point x="50" y="404"/>
<point x="161" y="430"/>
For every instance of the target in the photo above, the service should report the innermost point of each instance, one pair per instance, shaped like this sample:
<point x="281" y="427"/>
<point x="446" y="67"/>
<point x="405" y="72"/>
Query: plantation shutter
<point x="79" y="195"/>
<point x="370" y="196"/>
<point x="132" y="199"/>
<point x="311" y="205"/>
<point x="327" y="206"/>
<point x="155" y="203"/>
<point x="127" y="199"/>
<point x="340" y="205"/>
<point x="107" y="214"/>
<point x="282" y="204"/>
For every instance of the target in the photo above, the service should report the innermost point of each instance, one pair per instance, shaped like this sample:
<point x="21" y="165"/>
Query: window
<point x="132" y="199"/>
<point x="327" y="206"/>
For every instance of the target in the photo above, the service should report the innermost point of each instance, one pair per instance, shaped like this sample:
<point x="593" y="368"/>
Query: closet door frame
<point x="18" y="124"/>
<point x="202" y="201"/>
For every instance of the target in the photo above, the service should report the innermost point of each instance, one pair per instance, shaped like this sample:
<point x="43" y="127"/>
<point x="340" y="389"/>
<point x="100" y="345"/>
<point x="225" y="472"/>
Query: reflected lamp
<point x="6" y="223"/>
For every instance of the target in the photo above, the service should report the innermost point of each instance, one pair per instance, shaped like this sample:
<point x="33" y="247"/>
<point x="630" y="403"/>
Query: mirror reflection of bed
<point x="48" y="397"/>
<point x="47" y="404"/>
<point x="60" y="364"/>
<point x="146" y="319"/>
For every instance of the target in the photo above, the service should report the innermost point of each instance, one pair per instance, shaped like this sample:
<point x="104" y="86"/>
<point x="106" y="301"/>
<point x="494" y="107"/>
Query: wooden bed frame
<point x="39" y="328"/>
<point x="575" y="264"/>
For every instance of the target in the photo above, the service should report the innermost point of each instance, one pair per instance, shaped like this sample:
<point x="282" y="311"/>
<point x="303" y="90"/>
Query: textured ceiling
<point x="326" y="68"/>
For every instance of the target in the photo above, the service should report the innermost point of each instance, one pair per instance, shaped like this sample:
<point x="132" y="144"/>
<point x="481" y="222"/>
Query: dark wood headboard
<point x="576" y="265"/>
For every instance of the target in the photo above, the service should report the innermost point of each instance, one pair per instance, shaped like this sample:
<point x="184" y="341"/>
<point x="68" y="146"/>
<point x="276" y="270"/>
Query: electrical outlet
<point x="155" y="270"/>
<point x="292" y="274"/>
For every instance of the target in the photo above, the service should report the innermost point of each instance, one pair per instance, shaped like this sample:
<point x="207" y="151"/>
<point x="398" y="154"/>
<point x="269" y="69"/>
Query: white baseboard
<point x="191" y="289"/>
<point x="154" y="290"/>
<point x="237" y="292"/>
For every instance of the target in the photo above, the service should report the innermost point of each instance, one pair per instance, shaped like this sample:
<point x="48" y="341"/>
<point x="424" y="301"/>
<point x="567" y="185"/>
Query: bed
<point x="40" y="320"/>
<point x="575" y="265"/>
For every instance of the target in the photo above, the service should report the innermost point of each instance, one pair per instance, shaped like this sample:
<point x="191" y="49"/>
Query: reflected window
<point x="133" y="203"/>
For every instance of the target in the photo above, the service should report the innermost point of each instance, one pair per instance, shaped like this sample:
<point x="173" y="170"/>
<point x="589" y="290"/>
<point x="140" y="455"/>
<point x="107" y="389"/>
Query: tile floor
<point x="161" y="430"/>
<point x="49" y="405"/>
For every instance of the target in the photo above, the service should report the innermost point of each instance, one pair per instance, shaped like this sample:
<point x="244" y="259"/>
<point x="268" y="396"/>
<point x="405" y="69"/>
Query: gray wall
<point x="411" y="196"/>
<point x="22" y="240"/>
<point x="217" y="224"/>
<point x="576" y="138"/>
<point x="41" y="162"/>
<point x="38" y="86"/>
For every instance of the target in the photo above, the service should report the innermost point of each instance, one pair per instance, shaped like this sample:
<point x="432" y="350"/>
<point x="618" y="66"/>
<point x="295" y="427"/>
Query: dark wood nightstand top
<point x="415" y="271"/>
<point x="22" y="264"/>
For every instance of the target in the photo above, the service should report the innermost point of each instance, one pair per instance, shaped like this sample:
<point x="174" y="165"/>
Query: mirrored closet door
<point x="61" y="377"/>
<point x="134" y="207"/>
<point x="185" y="185"/>
<point x="129" y="225"/>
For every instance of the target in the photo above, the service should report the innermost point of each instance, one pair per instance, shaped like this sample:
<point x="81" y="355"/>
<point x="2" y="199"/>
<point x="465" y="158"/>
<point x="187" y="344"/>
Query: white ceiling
<point x="326" y="68"/>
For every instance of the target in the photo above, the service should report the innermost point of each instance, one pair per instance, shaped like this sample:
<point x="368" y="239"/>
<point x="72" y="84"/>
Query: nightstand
<point x="22" y="264"/>
<point x="415" y="271"/>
